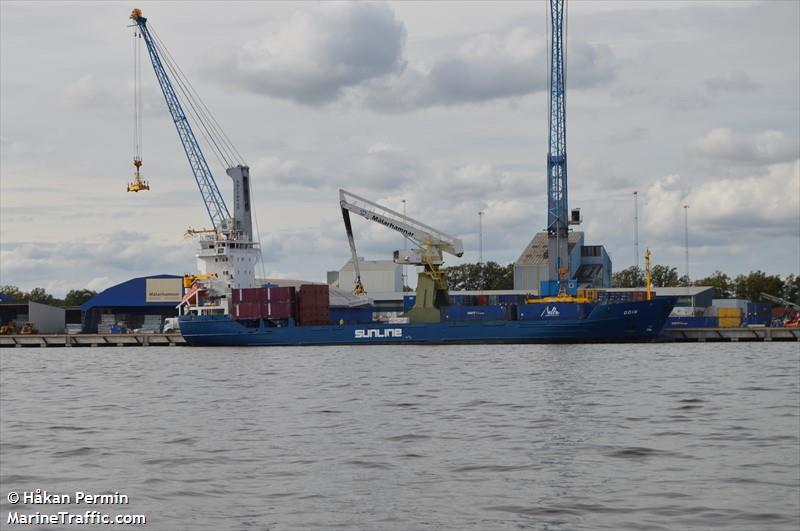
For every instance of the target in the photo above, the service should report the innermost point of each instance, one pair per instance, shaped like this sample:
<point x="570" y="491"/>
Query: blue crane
<point x="214" y="203"/>
<point x="557" y="213"/>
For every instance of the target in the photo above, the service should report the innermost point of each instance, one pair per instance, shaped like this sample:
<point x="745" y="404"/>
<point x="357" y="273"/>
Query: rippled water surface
<point x="694" y="436"/>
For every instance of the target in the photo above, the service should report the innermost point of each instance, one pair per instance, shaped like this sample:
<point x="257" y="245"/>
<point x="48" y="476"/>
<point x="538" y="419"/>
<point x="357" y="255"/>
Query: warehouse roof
<point x="536" y="251"/>
<point x="127" y="294"/>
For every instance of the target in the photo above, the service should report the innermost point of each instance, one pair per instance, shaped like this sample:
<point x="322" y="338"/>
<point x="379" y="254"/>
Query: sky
<point x="442" y="104"/>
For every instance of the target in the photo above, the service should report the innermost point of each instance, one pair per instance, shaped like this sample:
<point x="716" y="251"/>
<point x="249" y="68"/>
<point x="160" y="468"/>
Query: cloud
<point x="87" y="92"/>
<point x="488" y="67"/>
<point x="355" y="52"/>
<point x="106" y="259"/>
<point x="765" y="147"/>
<point x="318" y="53"/>
<point x="626" y="136"/>
<point x="736" y="81"/>
<point x="287" y="174"/>
<point x="723" y="211"/>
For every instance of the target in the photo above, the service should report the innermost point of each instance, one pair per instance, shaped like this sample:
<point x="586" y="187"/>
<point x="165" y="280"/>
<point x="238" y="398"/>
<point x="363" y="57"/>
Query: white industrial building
<point x="590" y="265"/>
<point x="377" y="276"/>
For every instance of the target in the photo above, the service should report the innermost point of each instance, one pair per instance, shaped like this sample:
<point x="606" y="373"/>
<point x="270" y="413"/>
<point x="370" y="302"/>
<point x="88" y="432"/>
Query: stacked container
<point x="268" y="303"/>
<point x="279" y="303"/>
<point x="313" y="305"/>
<point x="729" y="317"/>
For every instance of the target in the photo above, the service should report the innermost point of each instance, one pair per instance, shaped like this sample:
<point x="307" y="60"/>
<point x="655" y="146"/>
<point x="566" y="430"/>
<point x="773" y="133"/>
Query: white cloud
<point x="487" y="67"/>
<point x="736" y="81"/>
<point x="725" y="210"/>
<point x="318" y="52"/>
<point x="97" y="263"/>
<point x="766" y="147"/>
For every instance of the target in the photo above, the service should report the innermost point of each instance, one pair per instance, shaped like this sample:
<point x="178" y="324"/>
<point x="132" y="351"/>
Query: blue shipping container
<point x="691" y="322"/>
<point x="756" y="309"/>
<point x="408" y="302"/>
<point x="551" y="311"/>
<point x="344" y="315"/>
<point x="477" y="313"/>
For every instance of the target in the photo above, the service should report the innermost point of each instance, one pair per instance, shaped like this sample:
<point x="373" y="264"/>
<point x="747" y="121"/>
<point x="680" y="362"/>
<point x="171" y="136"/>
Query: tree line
<point x="749" y="286"/>
<point x="493" y="276"/>
<point x="74" y="297"/>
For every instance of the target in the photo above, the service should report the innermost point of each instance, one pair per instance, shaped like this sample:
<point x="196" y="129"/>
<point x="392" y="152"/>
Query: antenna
<point x="480" y="237"/>
<point x="636" y="229"/>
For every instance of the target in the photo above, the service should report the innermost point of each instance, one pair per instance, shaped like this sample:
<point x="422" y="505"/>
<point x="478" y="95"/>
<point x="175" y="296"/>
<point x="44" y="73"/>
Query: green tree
<point x="632" y="277"/>
<point x="40" y="295"/>
<point x="76" y="297"/>
<point x="751" y="286"/>
<point x="14" y="292"/>
<point x="722" y="284"/>
<point x="791" y="288"/>
<point x="484" y="276"/>
<point x="662" y="276"/>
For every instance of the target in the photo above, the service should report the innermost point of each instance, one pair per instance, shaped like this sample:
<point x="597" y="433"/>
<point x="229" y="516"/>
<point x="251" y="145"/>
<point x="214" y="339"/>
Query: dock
<point x="702" y="335"/>
<point x="92" y="340"/>
<point x="681" y="335"/>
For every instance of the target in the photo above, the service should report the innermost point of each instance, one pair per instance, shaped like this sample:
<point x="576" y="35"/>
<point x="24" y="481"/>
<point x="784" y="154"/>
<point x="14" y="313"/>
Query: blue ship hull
<point x="633" y="321"/>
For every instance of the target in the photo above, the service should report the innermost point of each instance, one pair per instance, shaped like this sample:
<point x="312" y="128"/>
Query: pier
<point x="683" y="335"/>
<point x="701" y="335"/>
<point x="92" y="340"/>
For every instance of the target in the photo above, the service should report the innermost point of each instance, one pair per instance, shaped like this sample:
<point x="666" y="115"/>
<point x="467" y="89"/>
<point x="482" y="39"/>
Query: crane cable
<point x="212" y="132"/>
<point x="137" y="96"/>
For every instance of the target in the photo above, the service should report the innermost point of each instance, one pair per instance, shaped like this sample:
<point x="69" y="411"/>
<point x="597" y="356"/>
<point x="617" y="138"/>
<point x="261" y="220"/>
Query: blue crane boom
<point x="214" y="203"/>
<point x="557" y="212"/>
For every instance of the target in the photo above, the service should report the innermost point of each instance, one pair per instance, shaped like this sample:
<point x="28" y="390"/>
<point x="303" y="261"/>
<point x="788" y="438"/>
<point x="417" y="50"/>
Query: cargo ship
<point x="222" y="305"/>
<point x="285" y="316"/>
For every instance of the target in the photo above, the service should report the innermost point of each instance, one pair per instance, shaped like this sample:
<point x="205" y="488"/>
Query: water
<point x="694" y="436"/>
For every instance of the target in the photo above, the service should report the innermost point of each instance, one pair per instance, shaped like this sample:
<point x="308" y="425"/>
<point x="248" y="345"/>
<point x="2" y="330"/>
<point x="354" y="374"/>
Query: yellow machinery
<point x="189" y="280"/>
<point x="138" y="183"/>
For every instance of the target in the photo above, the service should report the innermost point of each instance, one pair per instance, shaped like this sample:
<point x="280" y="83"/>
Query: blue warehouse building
<point x="138" y="304"/>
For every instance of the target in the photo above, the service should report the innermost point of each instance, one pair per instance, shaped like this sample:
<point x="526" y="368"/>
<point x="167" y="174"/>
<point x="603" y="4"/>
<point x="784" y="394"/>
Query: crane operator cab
<point x="138" y="183"/>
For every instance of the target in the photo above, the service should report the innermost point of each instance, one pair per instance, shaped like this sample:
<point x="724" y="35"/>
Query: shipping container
<point x="691" y="322"/>
<point x="408" y="302"/>
<point x="278" y="310"/>
<point x="481" y="300"/>
<point x="551" y="311"/>
<point x="731" y="303"/>
<point x="477" y="313"/>
<point x="729" y="312"/>
<point x="729" y="322"/>
<point x="346" y="315"/>
<point x="757" y="309"/>
<point x="247" y="310"/>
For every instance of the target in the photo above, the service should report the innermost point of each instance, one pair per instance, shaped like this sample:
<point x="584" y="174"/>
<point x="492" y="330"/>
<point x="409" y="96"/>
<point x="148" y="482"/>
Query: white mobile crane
<point x="428" y="245"/>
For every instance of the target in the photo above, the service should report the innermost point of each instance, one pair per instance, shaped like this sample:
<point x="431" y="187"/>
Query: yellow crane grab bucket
<point x="138" y="183"/>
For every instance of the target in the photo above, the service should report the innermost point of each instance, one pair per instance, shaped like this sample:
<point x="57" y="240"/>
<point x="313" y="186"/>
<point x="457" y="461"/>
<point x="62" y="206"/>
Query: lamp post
<point x="686" y="236"/>
<point x="480" y="237"/>
<point x="405" y="248"/>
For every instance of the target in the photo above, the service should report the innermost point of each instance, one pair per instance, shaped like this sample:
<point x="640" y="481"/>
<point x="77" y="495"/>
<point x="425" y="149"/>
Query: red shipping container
<point x="286" y="294"/>
<point x="278" y="310"/>
<point x="481" y="300"/>
<point x="246" y="310"/>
